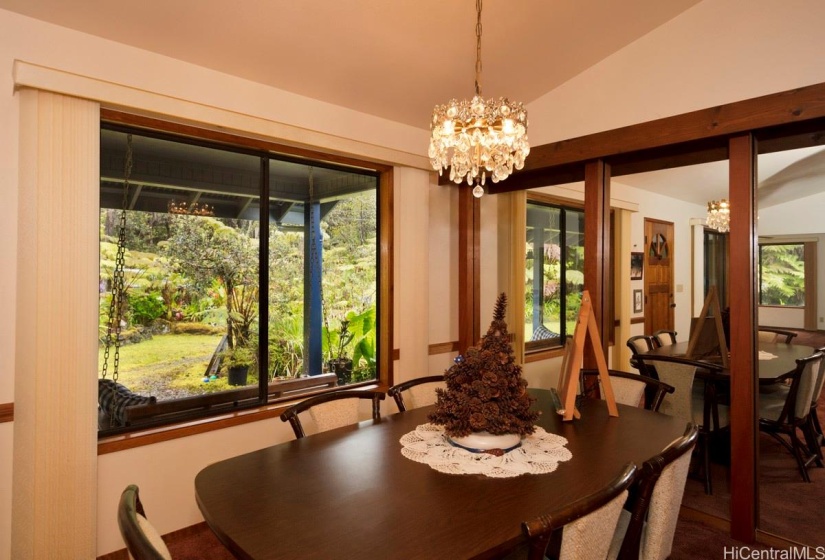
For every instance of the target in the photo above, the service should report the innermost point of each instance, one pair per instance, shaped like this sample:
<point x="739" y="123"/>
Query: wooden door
<point x="658" y="276"/>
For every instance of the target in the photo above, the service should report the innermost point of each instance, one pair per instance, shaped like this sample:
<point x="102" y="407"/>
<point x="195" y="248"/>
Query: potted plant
<point x="337" y="343"/>
<point x="238" y="360"/>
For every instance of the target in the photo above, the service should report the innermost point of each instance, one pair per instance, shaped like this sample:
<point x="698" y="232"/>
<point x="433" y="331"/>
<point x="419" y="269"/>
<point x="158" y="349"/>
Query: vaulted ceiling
<point x="391" y="58"/>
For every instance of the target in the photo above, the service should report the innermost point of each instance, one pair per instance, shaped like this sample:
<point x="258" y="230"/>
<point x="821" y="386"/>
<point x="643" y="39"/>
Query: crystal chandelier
<point x="479" y="137"/>
<point x="719" y="215"/>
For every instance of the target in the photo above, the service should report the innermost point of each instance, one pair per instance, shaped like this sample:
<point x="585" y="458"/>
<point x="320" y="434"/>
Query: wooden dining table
<point x="350" y="493"/>
<point x="771" y="370"/>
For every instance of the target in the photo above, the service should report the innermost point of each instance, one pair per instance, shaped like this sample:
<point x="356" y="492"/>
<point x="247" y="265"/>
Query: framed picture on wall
<point x="637" y="261"/>
<point x="637" y="301"/>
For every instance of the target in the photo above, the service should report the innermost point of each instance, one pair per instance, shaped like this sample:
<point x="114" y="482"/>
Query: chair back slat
<point x="332" y="410"/>
<point x="656" y="499"/>
<point x="808" y="378"/>
<point x="143" y="542"/>
<point x="628" y="388"/>
<point x="588" y="523"/>
<point x="419" y="392"/>
<point x="820" y="380"/>
<point x="665" y="337"/>
<point x="680" y="377"/>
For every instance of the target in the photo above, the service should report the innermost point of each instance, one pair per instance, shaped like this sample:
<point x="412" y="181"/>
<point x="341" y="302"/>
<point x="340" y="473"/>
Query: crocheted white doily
<point x="539" y="453"/>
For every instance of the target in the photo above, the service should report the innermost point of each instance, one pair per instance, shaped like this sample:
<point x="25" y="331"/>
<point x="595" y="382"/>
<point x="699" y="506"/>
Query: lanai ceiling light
<point x="719" y="215"/>
<point x="479" y="137"/>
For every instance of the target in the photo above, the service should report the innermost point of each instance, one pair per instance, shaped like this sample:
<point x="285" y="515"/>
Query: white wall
<point x="718" y="51"/>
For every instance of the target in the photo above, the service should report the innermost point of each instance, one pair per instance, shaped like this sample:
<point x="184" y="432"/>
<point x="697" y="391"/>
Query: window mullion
<point x="263" y="284"/>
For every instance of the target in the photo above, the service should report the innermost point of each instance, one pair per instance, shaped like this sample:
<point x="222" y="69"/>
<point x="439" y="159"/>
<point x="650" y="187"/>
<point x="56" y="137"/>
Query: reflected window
<point x="554" y="276"/>
<point x="782" y="274"/>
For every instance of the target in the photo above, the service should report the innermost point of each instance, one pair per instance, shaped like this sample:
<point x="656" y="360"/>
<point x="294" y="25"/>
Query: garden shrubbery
<point x="196" y="328"/>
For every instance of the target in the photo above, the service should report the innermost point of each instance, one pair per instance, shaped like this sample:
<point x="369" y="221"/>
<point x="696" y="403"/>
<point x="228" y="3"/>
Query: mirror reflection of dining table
<point x="776" y="360"/>
<point x="350" y="493"/>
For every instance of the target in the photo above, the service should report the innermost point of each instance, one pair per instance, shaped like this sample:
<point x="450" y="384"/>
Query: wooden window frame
<point x="238" y="406"/>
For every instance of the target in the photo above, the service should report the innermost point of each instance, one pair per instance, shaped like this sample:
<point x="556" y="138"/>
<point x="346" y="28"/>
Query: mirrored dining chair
<point x="419" y="392"/>
<point x="693" y="400"/>
<point x="664" y="337"/>
<point x="628" y="388"/>
<point x="783" y="413"/>
<point x="647" y="523"/>
<point x="142" y="540"/>
<point x="332" y="410"/>
<point x="816" y="427"/>
<point x="582" y="530"/>
<point x="770" y="334"/>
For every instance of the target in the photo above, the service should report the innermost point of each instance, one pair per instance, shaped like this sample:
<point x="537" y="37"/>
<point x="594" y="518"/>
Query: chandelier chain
<point x="478" y="138"/>
<point x="478" y="47"/>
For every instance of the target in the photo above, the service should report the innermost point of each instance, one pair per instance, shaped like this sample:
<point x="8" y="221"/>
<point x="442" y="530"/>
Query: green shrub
<point x="145" y="308"/>
<point x="196" y="328"/>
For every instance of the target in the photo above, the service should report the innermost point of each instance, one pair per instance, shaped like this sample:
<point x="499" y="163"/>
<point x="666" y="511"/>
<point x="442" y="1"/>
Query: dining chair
<point x="143" y="542"/>
<point x="648" y="521"/>
<point x="417" y="396"/>
<point x="816" y="427"/>
<point x="664" y="337"/>
<point x="628" y="388"/>
<point x="640" y="344"/>
<point x="332" y="410"/>
<point x="692" y="402"/>
<point x="586" y="525"/>
<point x="771" y="334"/>
<point x="782" y="413"/>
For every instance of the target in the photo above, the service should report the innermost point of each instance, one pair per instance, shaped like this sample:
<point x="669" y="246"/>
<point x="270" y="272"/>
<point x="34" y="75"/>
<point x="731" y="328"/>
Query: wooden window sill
<point x="157" y="434"/>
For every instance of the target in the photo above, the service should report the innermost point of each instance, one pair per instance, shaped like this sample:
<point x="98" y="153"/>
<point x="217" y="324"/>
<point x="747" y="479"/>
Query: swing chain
<point x="118" y="284"/>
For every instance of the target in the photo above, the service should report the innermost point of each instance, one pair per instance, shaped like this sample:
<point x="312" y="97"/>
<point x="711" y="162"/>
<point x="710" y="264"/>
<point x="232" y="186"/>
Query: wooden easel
<point x="711" y="303"/>
<point x="572" y="363"/>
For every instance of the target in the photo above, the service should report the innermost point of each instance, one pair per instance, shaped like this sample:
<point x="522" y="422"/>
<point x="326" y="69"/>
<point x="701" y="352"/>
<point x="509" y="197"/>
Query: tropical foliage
<point x="197" y="274"/>
<point x="782" y="275"/>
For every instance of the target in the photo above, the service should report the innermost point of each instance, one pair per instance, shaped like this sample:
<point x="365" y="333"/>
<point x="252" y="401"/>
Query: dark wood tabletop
<point x="770" y="371"/>
<point x="349" y="493"/>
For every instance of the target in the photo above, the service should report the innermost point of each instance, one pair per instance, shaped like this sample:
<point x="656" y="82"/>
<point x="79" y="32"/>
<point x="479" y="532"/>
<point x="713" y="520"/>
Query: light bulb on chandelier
<point x="719" y="215"/>
<point x="479" y="137"/>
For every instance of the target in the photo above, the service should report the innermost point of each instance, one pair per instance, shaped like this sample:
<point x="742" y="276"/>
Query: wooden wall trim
<point x="637" y="320"/>
<point x="469" y="267"/>
<point x="790" y="106"/>
<point x="190" y="131"/>
<point x="443" y="347"/>
<point x="743" y="251"/>
<point x="597" y="247"/>
<point x="811" y="311"/>
<point x="6" y="412"/>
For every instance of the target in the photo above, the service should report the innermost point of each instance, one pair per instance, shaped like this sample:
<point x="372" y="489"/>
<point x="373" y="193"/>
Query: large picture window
<point x="247" y="277"/>
<point x="782" y="274"/>
<point x="554" y="278"/>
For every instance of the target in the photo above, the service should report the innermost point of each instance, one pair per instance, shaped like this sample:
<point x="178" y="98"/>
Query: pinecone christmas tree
<point x="485" y="390"/>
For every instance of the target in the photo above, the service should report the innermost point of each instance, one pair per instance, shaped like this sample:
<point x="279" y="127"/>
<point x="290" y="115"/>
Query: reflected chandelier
<point x="480" y="136"/>
<point x="719" y="215"/>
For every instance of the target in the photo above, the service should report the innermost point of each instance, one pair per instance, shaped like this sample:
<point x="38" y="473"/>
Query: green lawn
<point x="167" y="366"/>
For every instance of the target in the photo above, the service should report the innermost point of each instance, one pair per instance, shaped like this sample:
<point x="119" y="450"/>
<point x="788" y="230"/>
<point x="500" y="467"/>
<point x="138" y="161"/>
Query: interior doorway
<point x="658" y="279"/>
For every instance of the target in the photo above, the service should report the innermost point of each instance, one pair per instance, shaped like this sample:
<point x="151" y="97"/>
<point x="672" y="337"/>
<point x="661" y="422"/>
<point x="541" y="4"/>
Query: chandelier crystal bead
<point x="719" y="215"/>
<point x="478" y="138"/>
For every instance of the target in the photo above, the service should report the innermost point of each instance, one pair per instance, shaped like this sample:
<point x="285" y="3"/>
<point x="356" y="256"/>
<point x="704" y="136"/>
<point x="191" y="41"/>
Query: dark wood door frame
<point x="597" y="243"/>
<point x="744" y="489"/>
<point x="781" y="120"/>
